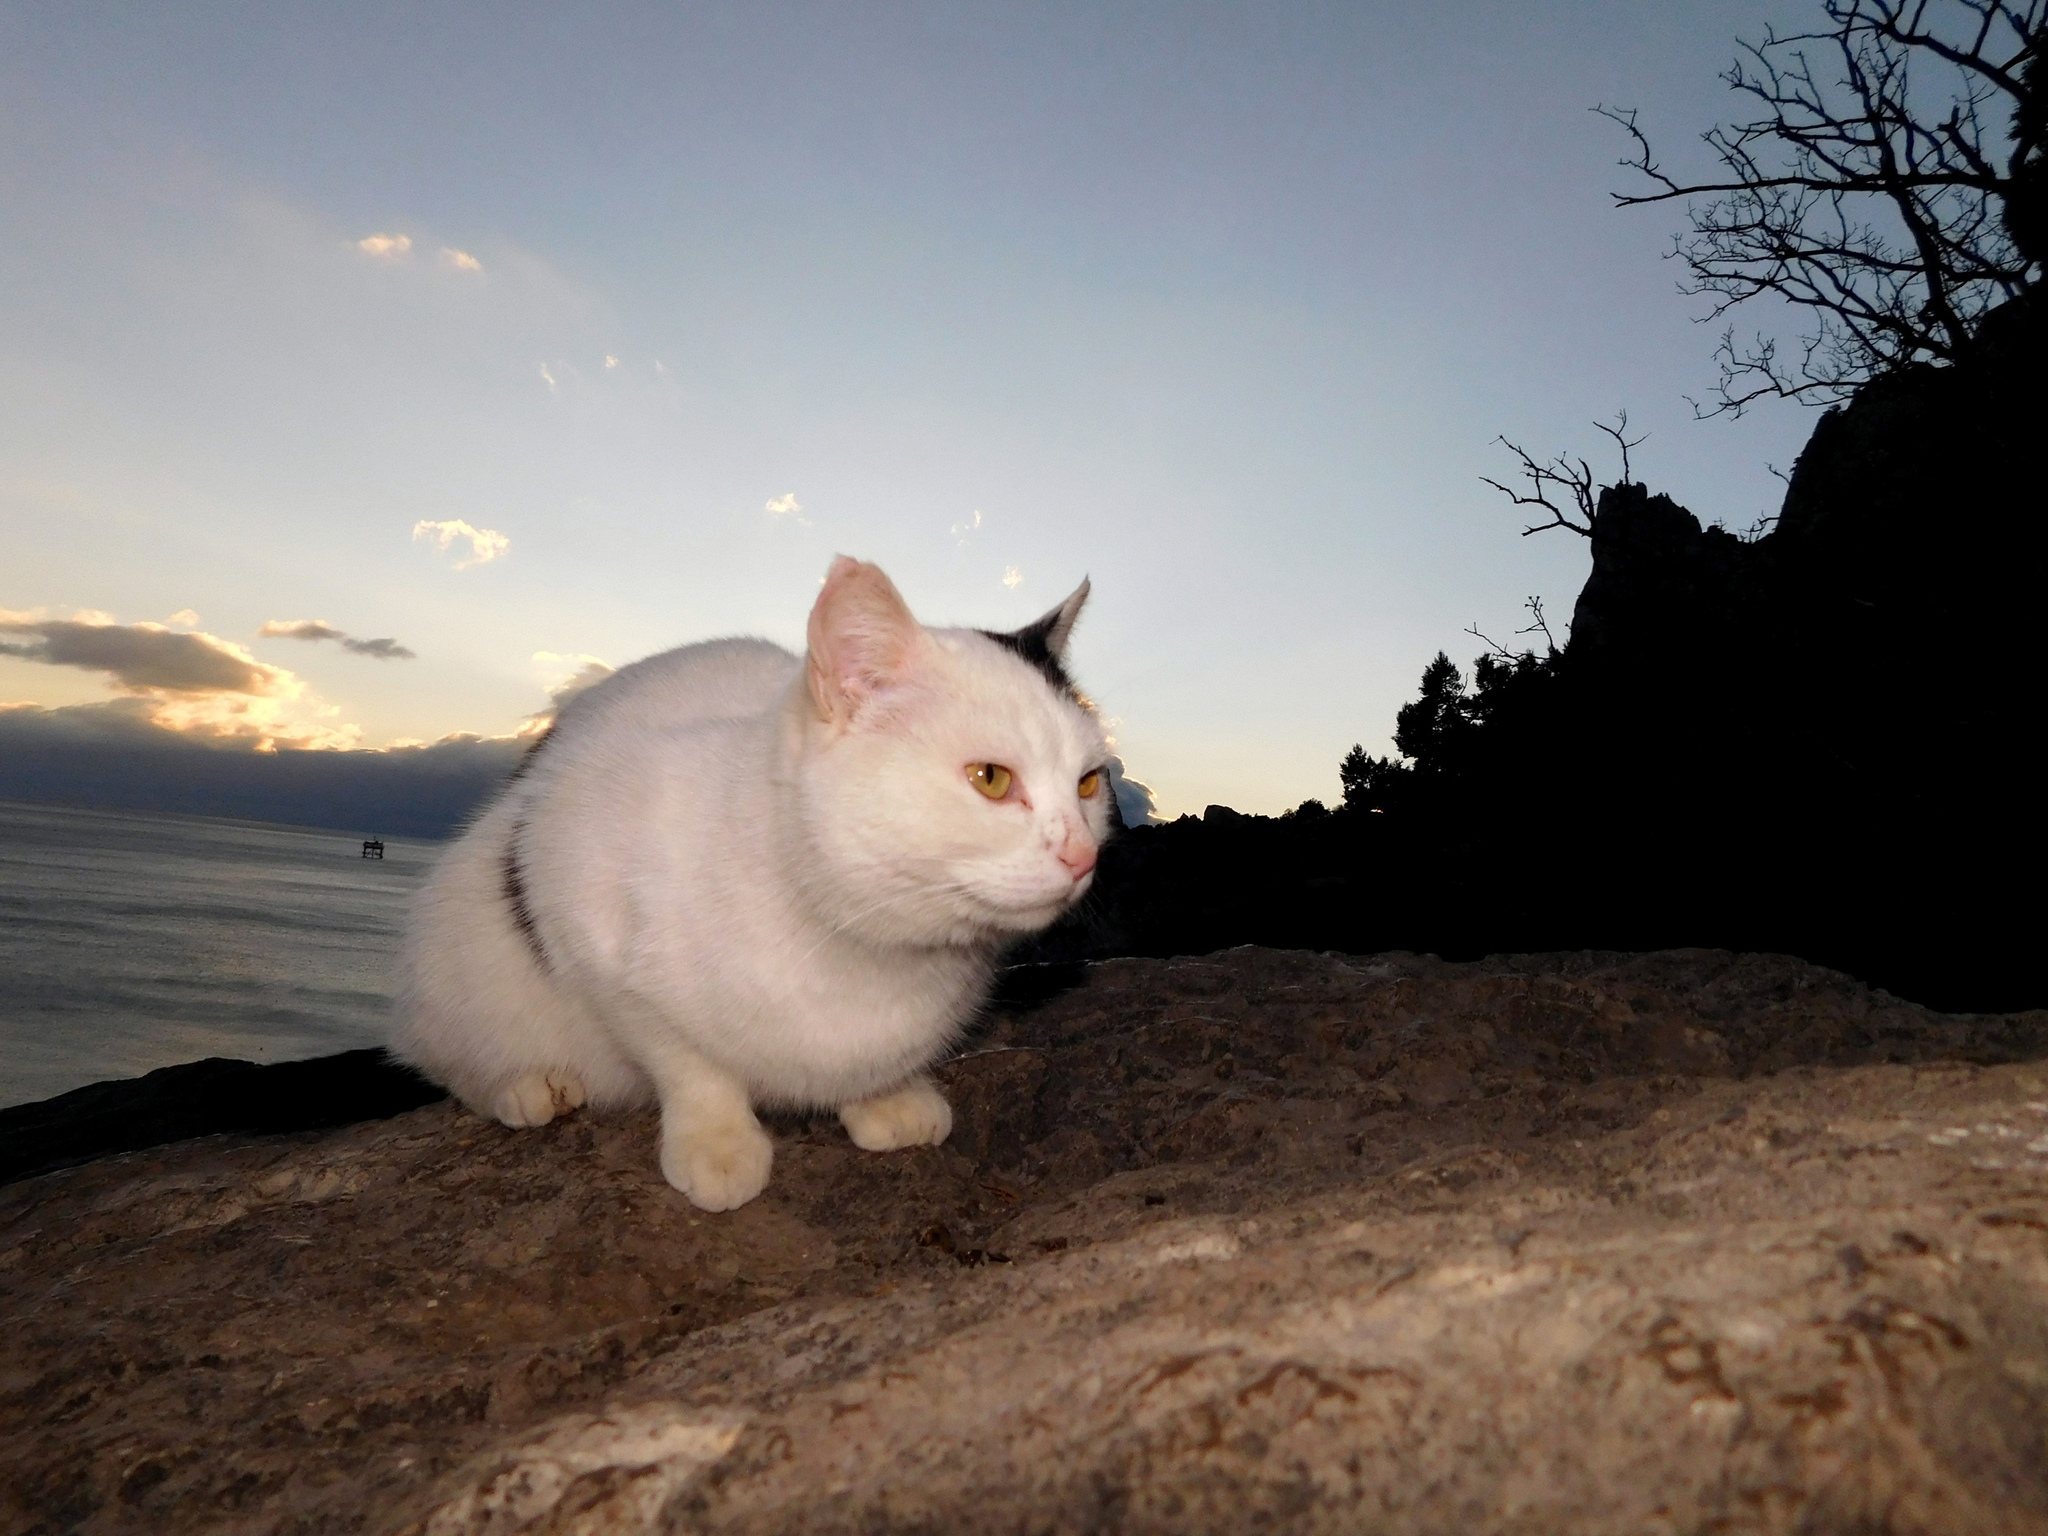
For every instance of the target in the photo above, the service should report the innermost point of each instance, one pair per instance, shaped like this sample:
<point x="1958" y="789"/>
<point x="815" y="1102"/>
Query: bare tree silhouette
<point x="1568" y="478"/>
<point x="1879" y="190"/>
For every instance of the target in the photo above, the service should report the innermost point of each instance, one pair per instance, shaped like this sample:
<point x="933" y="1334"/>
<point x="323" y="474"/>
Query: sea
<point x="131" y="941"/>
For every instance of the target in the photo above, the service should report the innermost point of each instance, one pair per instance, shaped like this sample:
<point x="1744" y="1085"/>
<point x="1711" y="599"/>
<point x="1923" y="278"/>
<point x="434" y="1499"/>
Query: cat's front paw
<point x="719" y="1166"/>
<point x="538" y="1097"/>
<point x="915" y="1115"/>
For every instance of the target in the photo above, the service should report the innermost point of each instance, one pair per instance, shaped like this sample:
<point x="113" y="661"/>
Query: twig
<point x="1541" y="626"/>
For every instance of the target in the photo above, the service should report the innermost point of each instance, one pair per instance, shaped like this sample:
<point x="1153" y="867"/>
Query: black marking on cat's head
<point x="1030" y="645"/>
<point x="1043" y="642"/>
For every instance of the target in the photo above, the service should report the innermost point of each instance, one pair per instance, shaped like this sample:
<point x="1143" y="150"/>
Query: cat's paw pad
<point x="538" y="1097"/>
<point x="915" y="1115"/>
<point x="720" y="1167"/>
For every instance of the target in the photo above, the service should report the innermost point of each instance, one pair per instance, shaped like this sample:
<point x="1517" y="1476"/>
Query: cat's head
<point x="954" y="783"/>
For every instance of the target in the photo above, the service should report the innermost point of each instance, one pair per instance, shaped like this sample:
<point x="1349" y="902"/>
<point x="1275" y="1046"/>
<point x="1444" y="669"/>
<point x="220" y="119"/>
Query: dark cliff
<point x="1820" y="741"/>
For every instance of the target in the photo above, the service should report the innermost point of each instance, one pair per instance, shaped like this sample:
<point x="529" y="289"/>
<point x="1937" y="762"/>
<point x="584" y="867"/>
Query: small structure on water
<point x="373" y="848"/>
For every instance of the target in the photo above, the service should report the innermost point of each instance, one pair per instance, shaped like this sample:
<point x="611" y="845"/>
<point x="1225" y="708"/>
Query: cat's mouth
<point x="1028" y="915"/>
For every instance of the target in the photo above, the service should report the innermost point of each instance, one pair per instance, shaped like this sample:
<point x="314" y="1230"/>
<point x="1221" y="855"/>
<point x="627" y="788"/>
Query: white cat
<point x="732" y="876"/>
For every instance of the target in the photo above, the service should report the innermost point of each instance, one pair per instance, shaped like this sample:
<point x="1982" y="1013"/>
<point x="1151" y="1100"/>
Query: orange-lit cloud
<point x="192" y="684"/>
<point x="568" y="672"/>
<point x="485" y="544"/>
<point x="385" y="247"/>
<point x="461" y="261"/>
<point x="141" y="656"/>
<point x="563" y="674"/>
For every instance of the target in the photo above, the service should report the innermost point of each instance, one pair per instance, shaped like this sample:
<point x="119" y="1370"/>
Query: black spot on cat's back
<point x="533" y="750"/>
<point x="513" y="883"/>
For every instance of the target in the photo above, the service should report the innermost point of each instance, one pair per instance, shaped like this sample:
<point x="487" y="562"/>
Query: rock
<point x="1660" y="581"/>
<point x="206" y="1098"/>
<point x="1670" y="1242"/>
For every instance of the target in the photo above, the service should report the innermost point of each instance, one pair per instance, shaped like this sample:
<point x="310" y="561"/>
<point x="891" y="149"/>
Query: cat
<point x="730" y="876"/>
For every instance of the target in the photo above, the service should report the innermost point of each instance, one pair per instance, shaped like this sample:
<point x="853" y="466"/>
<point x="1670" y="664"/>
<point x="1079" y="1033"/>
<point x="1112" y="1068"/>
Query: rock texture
<point x="1261" y="1241"/>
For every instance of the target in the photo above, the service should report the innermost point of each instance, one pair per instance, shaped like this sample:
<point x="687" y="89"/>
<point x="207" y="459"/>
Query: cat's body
<point x="734" y="876"/>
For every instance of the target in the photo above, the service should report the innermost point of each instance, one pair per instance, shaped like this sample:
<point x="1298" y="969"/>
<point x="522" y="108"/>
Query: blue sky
<point x="1221" y="305"/>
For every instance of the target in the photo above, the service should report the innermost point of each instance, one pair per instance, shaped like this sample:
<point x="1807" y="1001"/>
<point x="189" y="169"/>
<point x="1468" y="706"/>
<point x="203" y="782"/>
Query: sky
<point x="368" y="372"/>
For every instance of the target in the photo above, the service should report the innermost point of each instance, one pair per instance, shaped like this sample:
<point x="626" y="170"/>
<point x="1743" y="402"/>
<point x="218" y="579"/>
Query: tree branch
<point x="1541" y="626"/>
<point x="1564" y="478"/>
<point x="1559" y="475"/>
<point x="1853" y="197"/>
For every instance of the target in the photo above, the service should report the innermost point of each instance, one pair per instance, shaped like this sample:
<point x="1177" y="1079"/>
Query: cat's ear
<point x="1045" y="638"/>
<point x="862" y="638"/>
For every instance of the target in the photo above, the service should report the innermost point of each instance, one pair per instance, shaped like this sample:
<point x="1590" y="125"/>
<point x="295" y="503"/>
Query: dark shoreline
<point x="226" y="1096"/>
<point x="213" y="1097"/>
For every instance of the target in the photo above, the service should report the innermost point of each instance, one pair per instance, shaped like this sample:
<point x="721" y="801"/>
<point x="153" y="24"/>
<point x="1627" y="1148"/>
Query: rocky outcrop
<point x="1676" y="1242"/>
<point x="1817" y="741"/>
<point x="1660" y="581"/>
<point x="205" y="1098"/>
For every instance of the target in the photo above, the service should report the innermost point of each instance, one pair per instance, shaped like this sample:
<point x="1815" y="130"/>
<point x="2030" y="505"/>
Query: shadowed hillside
<point x="1820" y="741"/>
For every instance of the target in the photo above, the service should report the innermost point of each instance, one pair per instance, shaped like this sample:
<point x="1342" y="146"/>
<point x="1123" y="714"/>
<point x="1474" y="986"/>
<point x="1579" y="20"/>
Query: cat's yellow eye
<point x="992" y="779"/>
<point x="1091" y="781"/>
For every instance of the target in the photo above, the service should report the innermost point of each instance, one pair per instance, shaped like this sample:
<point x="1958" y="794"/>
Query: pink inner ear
<point x="862" y="636"/>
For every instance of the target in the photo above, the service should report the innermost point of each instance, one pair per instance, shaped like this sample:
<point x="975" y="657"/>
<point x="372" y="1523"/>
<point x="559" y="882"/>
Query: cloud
<point x="787" y="507"/>
<point x="1012" y="577"/>
<point x="1135" y="801"/>
<point x="566" y="674"/>
<point x="610" y="361"/>
<point x="116" y="755"/>
<point x="384" y="649"/>
<point x="485" y="544"/>
<point x="140" y="657"/>
<point x="186" y="617"/>
<point x="300" y="629"/>
<point x="964" y="531"/>
<point x="385" y="247"/>
<point x="548" y="377"/>
<point x="461" y="261"/>
<point x="193" y="685"/>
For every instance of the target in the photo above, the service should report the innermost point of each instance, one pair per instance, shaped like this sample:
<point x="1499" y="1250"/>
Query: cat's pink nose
<point x="1078" y="854"/>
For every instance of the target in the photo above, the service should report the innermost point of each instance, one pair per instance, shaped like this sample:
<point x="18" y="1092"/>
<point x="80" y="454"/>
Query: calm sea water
<point x="131" y="941"/>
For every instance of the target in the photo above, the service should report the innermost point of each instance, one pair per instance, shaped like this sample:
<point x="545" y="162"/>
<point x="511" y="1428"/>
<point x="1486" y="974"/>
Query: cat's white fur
<point x="750" y="878"/>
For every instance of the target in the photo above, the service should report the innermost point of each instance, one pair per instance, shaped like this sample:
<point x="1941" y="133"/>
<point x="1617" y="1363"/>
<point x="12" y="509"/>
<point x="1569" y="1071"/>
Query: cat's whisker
<point x="847" y="922"/>
<point x="944" y="884"/>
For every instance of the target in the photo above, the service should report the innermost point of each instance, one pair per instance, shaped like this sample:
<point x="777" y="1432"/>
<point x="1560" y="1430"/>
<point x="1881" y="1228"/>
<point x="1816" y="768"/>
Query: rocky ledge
<point x="1677" y="1242"/>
